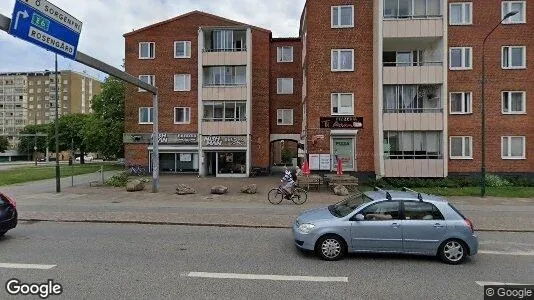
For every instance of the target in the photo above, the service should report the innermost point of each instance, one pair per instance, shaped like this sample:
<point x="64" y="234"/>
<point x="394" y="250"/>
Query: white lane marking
<point x="512" y="253"/>
<point x="26" y="266"/>
<point x="266" y="277"/>
<point x="483" y="283"/>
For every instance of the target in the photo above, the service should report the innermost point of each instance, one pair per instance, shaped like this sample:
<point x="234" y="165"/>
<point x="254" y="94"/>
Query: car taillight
<point x="469" y="224"/>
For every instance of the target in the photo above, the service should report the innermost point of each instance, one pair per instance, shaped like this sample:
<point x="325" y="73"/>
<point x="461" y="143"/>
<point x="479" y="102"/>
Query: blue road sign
<point x="46" y="26"/>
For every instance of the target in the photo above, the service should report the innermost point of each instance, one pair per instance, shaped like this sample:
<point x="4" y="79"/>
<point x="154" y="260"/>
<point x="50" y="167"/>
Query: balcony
<point x="424" y="73"/>
<point x="415" y="119"/>
<point x="227" y="58"/>
<point x="413" y="27"/>
<point x="414" y="168"/>
<point x="224" y="92"/>
<point x="224" y="128"/>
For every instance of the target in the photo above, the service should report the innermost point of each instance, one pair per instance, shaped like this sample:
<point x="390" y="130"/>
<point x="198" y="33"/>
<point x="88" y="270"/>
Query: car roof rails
<point x="405" y="189"/>
<point x="388" y="195"/>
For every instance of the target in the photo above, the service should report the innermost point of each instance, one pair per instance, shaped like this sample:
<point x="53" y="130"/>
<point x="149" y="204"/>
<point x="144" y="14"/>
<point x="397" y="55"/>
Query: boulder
<point x="135" y="186"/>
<point x="340" y="190"/>
<point x="219" y="190"/>
<point x="183" y="189"/>
<point x="249" y="189"/>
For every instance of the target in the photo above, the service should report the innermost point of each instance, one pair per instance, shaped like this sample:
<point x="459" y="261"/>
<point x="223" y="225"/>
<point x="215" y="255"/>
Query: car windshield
<point x="348" y="205"/>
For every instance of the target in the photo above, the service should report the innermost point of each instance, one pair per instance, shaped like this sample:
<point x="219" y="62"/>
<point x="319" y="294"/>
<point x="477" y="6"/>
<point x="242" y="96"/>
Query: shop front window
<point x="232" y="162"/>
<point x="178" y="162"/>
<point x="344" y="149"/>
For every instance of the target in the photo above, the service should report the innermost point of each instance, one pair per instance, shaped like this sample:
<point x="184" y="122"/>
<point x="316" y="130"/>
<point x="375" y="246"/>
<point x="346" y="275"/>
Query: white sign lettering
<point x="56" y="13"/>
<point x="41" y="36"/>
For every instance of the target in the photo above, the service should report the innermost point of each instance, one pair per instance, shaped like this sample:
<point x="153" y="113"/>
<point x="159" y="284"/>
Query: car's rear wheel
<point x="331" y="247"/>
<point x="453" y="252"/>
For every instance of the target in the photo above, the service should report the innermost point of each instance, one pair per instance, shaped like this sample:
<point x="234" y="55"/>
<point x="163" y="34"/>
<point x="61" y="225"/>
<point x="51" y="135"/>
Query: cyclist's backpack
<point x="294" y="175"/>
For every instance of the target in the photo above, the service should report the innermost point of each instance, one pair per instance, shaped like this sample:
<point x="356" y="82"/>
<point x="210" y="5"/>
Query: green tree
<point x="104" y="129"/>
<point x="27" y="143"/>
<point x="4" y="144"/>
<point x="70" y="131"/>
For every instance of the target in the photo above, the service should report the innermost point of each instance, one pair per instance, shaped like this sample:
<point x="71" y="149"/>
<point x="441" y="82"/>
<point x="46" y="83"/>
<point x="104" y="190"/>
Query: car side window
<point x="386" y="210"/>
<point x="417" y="210"/>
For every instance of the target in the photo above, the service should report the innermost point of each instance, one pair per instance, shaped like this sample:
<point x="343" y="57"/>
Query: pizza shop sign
<point x="342" y="122"/>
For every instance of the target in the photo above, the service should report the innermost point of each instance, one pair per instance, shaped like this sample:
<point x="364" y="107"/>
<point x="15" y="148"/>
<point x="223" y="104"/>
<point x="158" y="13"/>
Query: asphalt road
<point x="106" y="261"/>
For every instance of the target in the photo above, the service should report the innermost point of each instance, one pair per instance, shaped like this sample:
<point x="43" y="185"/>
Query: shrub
<point x="118" y="180"/>
<point x="496" y="181"/>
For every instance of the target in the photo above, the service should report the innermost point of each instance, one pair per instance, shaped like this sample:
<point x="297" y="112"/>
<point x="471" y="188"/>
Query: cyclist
<point x="289" y="183"/>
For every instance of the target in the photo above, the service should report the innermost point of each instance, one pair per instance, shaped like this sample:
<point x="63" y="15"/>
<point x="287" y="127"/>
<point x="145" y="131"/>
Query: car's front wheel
<point x="331" y="247"/>
<point x="453" y="252"/>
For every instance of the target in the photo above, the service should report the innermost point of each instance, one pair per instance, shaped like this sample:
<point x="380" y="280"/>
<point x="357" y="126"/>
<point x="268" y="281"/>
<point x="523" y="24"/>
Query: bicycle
<point x="138" y="171"/>
<point x="276" y="195"/>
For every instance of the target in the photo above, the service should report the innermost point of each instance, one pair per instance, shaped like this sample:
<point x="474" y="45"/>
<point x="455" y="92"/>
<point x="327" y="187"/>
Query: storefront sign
<point x="342" y="122"/>
<point x="163" y="138"/>
<point x="224" y="141"/>
<point x="319" y="162"/>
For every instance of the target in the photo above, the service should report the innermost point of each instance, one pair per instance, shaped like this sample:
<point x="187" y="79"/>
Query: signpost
<point x="45" y="25"/>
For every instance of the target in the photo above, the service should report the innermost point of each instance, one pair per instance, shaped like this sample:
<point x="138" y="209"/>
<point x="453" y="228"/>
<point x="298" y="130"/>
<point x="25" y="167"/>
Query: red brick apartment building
<point x="390" y="87"/>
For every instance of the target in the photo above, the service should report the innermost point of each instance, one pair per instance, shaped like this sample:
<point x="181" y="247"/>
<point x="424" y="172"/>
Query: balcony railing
<point x="413" y="64"/>
<point x="225" y="50"/>
<point x="412" y="110"/>
<point x="412" y="155"/>
<point x="412" y="16"/>
<point x="224" y="119"/>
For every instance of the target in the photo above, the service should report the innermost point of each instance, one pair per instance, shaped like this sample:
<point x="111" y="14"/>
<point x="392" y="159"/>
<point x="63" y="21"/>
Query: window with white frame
<point x="342" y="16"/>
<point x="400" y="9"/>
<point x="284" y="54"/>
<point x="284" y="86"/>
<point x="182" y="49"/>
<point x="461" y="13"/>
<point x="147" y="50"/>
<point x="146" y="115"/>
<point x="519" y="6"/>
<point x="461" y="103"/>
<point x="182" y="82"/>
<point x="284" y="117"/>
<point x="150" y="79"/>
<point x="225" y="75"/>
<point x="513" y="102"/>
<point x="224" y="111"/>
<point x="342" y="104"/>
<point x="460" y="58"/>
<point x="514" y="57"/>
<point x="461" y="147"/>
<point x="513" y="147"/>
<point x="342" y="60"/>
<point x="182" y="115"/>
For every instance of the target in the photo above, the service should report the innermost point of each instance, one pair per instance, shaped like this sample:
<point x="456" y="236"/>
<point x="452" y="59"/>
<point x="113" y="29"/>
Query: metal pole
<point x="72" y="159"/>
<point x="155" y="146"/>
<point x="58" y="176"/>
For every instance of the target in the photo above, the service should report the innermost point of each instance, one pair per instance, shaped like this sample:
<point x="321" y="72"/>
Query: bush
<point x="496" y="181"/>
<point x="118" y="180"/>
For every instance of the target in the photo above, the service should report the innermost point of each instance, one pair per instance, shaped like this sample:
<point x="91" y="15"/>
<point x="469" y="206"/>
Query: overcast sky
<point x="105" y="21"/>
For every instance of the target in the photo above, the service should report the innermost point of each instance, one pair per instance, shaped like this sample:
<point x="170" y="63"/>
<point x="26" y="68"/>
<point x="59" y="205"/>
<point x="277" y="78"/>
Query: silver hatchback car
<point x="387" y="222"/>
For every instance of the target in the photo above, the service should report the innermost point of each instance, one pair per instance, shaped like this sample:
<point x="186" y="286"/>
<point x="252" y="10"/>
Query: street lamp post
<point x="483" y="83"/>
<point x="56" y="125"/>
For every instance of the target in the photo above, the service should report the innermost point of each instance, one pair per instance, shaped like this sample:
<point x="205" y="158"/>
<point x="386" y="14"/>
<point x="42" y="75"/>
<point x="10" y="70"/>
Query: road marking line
<point x="483" y="283"/>
<point x="512" y="253"/>
<point x="266" y="277"/>
<point x="26" y="266"/>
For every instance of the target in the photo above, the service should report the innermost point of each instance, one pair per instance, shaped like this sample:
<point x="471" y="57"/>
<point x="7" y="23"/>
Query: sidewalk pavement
<point x="114" y="205"/>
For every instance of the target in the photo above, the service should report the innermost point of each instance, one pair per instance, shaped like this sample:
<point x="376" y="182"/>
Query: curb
<point x="222" y="225"/>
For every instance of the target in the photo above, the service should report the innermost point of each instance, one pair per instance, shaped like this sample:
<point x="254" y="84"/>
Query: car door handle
<point x="395" y="225"/>
<point x="438" y="225"/>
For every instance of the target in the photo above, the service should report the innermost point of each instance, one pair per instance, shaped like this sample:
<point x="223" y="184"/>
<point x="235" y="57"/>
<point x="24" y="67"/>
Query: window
<point x="182" y="49"/>
<point x="343" y="60"/>
<point x="146" y="50"/>
<point x="400" y="9"/>
<point x="412" y="144"/>
<point x="150" y="79"/>
<point x="343" y="149"/>
<point x="460" y="58"/>
<point x="225" y="75"/>
<point x="342" y="104"/>
<point x="513" y="147"/>
<point x="182" y="115"/>
<point x="461" y="103"/>
<point x="284" y="86"/>
<point x="182" y="82"/>
<point x="417" y="210"/>
<point x="224" y="111"/>
<point x="513" y="57"/>
<point x="461" y="147"/>
<point x="519" y="6"/>
<point x="461" y="13"/>
<point x="382" y="211"/>
<point x="513" y="103"/>
<point x="343" y="16"/>
<point x="284" y="117"/>
<point x="412" y="98"/>
<point x="146" y="115"/>
<point x="284" y="54"/>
